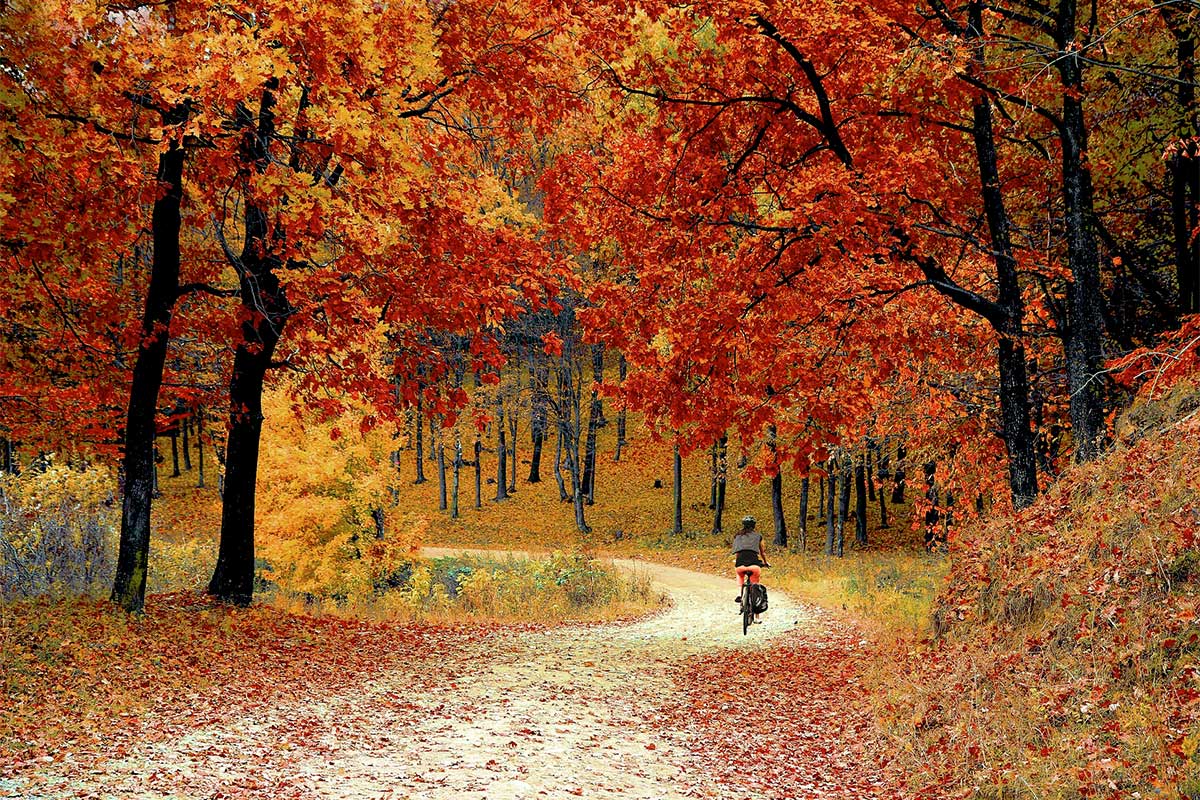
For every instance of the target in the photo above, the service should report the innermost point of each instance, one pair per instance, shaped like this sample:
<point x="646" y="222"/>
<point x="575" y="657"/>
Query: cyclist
<point x="749" y="556"/>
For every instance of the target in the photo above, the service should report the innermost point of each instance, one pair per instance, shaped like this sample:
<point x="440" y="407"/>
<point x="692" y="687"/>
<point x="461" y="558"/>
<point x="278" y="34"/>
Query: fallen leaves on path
<point x="79" y="675"/>
<point x="787" y="721"/>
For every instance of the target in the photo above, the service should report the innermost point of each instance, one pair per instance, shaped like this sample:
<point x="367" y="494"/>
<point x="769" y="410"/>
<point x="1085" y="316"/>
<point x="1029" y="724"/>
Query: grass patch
<point x="474" y="588"/>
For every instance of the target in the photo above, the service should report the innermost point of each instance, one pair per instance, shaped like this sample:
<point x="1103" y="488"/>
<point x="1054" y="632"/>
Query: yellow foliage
<point x="321" y="487"/>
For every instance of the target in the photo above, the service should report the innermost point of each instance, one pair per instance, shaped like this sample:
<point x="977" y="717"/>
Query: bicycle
<point x="747" y="601"/>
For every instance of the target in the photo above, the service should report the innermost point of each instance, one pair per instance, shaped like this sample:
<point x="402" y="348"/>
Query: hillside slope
<point x="1065" y="658"/>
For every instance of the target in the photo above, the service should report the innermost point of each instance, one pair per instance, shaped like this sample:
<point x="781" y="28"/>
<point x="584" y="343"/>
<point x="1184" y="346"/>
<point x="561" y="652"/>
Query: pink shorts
<point x="754" y="571"/>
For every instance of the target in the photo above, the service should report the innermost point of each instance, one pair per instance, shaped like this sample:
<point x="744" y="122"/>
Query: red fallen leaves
<point x="788" y="721"/>
<point x="80" y="673"/>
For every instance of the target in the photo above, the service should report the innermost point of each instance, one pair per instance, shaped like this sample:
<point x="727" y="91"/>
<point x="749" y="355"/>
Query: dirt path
<point x="545" y="714"/>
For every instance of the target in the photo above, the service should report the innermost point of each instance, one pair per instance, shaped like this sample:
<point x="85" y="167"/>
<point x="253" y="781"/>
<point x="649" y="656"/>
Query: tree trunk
<point x="595" y="413"/>
<point x="722" y="469"/>
<point x="898" y="485"/>
<point x="1085" y="343"/>
<point x="458" y="462"/>
<point x="129" y="584"/>
<point x="677" y="492"/>
<point x="420" y="429"/>
<point x="1184" y="166"/>
<point x="265" y="310"/>
<point x="200" y="448"/>
<point x="175" y="473"/>
<point x="843" y="507"/>
<point x="443" y="502"/>
<point x="570" y="425"/>
<point x="870" y="473"/>
<point x="860" y="504"/>
<point x="712" y="478"/>
<point x="571" y="454"/>
<point x="830" y="508"/>
<point x="538" y="375"/>
<point x="622" y="373"/>
<point x="1016" y="427"/>
<point x="802" y="523"/>
<point x="186" y="426"/>
<point x="501" y="450"/>
<point x="883" y="516"/>
<point x="558" y="475"/>
<point x="781" y="535"/>
<point x="478" y="472"/>
<point x="512" y="452"/>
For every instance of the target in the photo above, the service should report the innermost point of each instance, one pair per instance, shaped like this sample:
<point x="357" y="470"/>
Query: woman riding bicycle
<point x="749" y="556"/>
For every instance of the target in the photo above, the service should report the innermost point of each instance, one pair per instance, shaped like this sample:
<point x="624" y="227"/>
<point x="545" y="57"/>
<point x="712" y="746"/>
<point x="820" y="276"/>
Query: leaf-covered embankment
<point x="1065" y="658"/>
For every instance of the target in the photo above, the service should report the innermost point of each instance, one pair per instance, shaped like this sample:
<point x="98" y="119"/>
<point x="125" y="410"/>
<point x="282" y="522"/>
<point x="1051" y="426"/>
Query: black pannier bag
<point x="759" y="598"/>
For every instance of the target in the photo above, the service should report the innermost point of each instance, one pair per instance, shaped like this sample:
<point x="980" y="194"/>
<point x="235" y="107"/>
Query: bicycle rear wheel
<point x="747" y="606"/>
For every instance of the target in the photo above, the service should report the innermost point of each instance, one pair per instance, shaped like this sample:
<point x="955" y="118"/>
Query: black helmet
<point x="748" y="521"/>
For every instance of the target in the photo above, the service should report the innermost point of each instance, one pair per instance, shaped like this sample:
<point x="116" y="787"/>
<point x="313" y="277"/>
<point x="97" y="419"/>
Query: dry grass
<point x="1068" y="657"/>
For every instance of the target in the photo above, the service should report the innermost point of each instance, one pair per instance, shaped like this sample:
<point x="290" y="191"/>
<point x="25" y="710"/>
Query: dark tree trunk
<point x="1006" y="313"/>
<point x="1017" y="429"/>
<point x="722" y="470"/>
<point x="538" y="375"/>
<point x="512" y="452"/>
<point x="380" y="519"/>
<point x="712" y="478"/>
<point x="558" y="474"/>
<point x="622" y="372"/>
<point x="860" y="504"/>
<point x="1085" y="344"/>
<point x="898" y="485"/>
<point x="677" y="492"/>
<point x="200" y="448"/>
<point x="781" y="534"/>
<point x="129" y="584"/>
<point x="802" y="523"/>
<point x="595" y="414"/>
<point x="458" y="463"/>
<point x="420" y="427"/>
<point x="883" y="515"/>
<point x="478" y="472"/>
<point x="843" y="507"/>
<point x="440" y="446"/>
<point x="871" y="473"/>
<point x="175" y="473"/>
<point x="830" y="508"/>
<point x="501" y="451"/>
<point x="1184" y="163"/>
<point x="265" y="310"/>
<point x="186" y="427"/>
<point x="570" y="425"/>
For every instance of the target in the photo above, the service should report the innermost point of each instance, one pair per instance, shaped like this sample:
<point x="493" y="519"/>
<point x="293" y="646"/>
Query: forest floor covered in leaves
<point x="654" y="708"/>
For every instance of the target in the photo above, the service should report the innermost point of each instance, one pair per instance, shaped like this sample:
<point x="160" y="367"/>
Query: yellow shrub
<point x="322" y="486"/>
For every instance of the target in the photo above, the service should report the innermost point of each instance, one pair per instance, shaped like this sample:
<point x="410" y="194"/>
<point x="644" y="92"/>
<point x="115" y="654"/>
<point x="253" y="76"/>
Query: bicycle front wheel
<point x="747" y="608"/>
